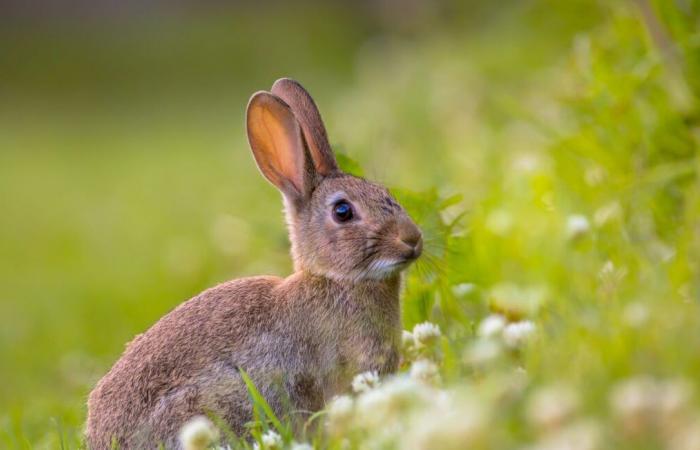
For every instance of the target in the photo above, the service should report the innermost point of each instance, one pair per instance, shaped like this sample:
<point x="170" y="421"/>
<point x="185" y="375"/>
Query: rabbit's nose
<point x="410" y="235"/>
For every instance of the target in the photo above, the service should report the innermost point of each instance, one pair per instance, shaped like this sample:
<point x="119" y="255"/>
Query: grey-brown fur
<point x="301" y="338"/>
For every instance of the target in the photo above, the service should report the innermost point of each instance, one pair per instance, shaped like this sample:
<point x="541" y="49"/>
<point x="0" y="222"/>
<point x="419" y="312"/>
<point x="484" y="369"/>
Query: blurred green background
<point x="127" y="186"/>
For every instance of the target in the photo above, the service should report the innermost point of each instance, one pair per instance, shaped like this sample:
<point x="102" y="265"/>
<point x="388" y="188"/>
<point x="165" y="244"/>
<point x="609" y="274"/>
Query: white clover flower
<point x="515" y="334"/>
<point x="577" y="225"/>
<point x="633" y="401"/>
<point x="407" y="338"/>
<point x="549" y="407"/>
<point x="271" y="440"/>
<point x="425" y="371"/>
<point x="673" y="398"/>
<point x="365" y="381"/>
<point x="376" y="407"/>
<point x="443" y="399"/>
<point x="582" y="435"/>
<point x="301" y="446"/>
<point x="340" y="408"/>
<point x="491" y="326"/>
<point x="426" y="334"/>
<point x="372" y="407"/>
<point x="198" y="434"/>
<point x="641" y="402"/>
<point x="482" y="352"/>
<point x="462" y="426"/>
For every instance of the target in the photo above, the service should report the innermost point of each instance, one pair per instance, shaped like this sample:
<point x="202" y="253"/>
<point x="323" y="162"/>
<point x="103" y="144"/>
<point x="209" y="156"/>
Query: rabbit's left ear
<point x="306" y="112"/>
<point x="278" y="146"/>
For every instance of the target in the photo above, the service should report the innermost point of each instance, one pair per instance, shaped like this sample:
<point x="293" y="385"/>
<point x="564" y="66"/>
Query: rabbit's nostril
<point x="410" y="235"/>
<point x="418" y="248"/>
<point x="414" y="241"/>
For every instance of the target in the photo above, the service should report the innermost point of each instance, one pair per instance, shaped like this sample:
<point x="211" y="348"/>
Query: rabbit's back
<point x="159" y="382"/>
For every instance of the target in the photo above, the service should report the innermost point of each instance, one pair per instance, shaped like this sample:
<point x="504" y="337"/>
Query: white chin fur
<point x="377" y="270"/>
<point x="382" y="268"/>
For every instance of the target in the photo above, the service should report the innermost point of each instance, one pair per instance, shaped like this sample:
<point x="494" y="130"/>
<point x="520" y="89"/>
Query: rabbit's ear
<point x="309" y="118"/>
<point x="278" y="147"/>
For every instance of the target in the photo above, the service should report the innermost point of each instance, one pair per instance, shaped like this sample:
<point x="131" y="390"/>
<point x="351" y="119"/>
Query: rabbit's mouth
<point x="384" y="268"/>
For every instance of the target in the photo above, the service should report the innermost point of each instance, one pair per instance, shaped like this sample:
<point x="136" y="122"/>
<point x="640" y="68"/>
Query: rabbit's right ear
<point x="278" y="147"/>
<point x="306" y="112"/>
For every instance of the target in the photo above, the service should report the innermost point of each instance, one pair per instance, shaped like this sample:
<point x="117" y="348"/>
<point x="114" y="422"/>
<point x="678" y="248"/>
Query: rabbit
<point x="302" y="338"/>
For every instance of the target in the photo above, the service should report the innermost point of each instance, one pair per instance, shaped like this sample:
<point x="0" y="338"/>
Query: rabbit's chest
<point x="357" y="351"/>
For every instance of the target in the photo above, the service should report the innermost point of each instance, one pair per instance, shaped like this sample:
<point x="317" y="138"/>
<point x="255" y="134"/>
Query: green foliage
<point x="262" y="412"/>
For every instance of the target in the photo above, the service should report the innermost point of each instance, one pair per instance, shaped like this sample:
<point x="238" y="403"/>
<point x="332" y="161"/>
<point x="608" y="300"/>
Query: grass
<point x="548" y="150"/>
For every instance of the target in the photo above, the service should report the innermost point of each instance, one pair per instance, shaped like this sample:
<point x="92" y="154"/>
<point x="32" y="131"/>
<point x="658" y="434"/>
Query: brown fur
<point x="301" y="338"/>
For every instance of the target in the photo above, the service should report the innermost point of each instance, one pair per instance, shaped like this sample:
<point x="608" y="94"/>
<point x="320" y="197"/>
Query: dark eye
<point x="342" y="211"/>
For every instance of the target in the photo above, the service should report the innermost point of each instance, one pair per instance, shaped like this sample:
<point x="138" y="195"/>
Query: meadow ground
<point x="547" y="149"/>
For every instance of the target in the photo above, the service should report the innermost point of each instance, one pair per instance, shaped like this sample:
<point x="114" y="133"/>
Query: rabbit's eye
<point x="342" y="211"/>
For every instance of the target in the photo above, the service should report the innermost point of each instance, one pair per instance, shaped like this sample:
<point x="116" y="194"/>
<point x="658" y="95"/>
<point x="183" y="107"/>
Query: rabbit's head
<point x="341" y="226"/>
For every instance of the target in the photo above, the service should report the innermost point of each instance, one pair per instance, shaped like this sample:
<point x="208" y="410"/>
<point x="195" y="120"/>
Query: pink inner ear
<point x="276" y="142"/>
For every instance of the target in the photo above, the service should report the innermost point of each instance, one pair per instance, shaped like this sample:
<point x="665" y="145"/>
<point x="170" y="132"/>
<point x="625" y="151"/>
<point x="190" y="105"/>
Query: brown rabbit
<point x="301" y="338"/>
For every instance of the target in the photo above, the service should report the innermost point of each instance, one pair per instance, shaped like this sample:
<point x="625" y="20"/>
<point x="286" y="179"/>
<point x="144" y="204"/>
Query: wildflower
<point x="642" y="401"/>
<point x="198" y="434"/>
<point x="582" y="435"/>
<point x="408" y="344"/>
<point x="515" y="334"/>
<point x="491" y="325"/>
<point x="633" y="402"/>
<point x="425" y="334"/>
<point x="270" y="440"/>
<point x="673" y="401"/>
<point x="340" y="409"/>
<point x="425" y="371"/>
<point x="674" y="395"/>
<point x="482" y="352"/>
<point x="462" y="426"/>
<point x="365" y="381"/>
<point x="378" y="406"/>
<point x="577" y="226"/>
<point x="550" y="407"/>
